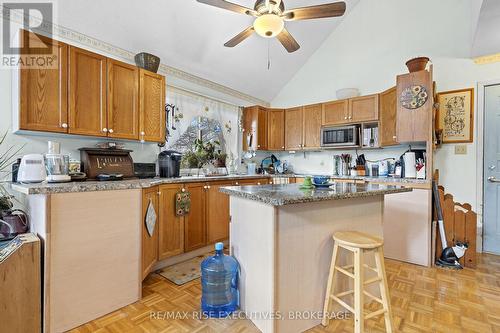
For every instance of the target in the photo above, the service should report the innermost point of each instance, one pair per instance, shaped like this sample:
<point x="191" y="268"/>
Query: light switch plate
<point x="460" y="150"/>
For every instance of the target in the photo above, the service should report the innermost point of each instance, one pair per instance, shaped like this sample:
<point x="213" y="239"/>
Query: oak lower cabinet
<point x="149" y="242"/>
<point x="43" y="102"/>
<point x="123" y="100"/>
<point x="151" y="106"/>
<point x="217" y="204"/>
<point x="87" y="93"/>
<point x="387" y="120"/>
<point x="276" y="129"/>
<point x="171" y="227"/>
<point x="195" y="222"/>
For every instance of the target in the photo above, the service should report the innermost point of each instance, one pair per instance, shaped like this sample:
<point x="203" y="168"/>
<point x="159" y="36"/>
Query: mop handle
<point x="439" y="213"/>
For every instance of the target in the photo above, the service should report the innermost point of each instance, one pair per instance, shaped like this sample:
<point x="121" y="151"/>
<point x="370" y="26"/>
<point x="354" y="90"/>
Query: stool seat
<point x="357" y="239"/>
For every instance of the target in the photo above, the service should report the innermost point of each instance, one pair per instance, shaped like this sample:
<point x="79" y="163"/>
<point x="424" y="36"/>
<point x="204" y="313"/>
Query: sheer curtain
<point x="191" y="106"/>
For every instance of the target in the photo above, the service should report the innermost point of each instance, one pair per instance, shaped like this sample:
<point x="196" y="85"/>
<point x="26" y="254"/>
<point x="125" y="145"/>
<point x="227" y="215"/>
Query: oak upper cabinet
<point x="149" y="242"/>
<point x="217" y="205"/>
<point x="151" y="106"/>
<point x="335" y="112"/>
<point x="364" y="108"/>
<point x="294" y="121"/>
<point x="276" y="129"/>
<point x="312" y="115"/>
<point x="87" y="93"/>
<point x="171" y="226"/>
<point x="254" y="128"/>
<point x="195" y="222"/>
<point x="413" y="123"/>
<point x="387" y="118"/>
<point x="43" y="102"/>
<point x="123" y="100"/>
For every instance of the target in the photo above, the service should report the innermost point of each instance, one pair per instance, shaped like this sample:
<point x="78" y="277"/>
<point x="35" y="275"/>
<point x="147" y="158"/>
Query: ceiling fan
<point x="271" y="16"/>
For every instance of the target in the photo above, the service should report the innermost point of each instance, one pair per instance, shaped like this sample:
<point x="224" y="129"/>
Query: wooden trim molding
<point x="126" y="56"/>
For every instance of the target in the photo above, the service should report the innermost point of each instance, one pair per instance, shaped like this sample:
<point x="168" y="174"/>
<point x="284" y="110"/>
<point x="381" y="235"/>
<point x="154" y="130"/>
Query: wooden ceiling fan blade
<point x="315" y="12"/>
<point x="288" y="41"/>
<point x="240" y="37"/>
<point x="230" y="6"/>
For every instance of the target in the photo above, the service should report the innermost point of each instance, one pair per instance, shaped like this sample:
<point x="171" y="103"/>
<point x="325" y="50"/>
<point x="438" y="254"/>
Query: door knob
<point x="493" y="180"/>
<point x="492" y="167"/>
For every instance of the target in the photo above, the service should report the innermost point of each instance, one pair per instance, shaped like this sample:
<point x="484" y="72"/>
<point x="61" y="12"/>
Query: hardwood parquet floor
<point x="423" y="300"/>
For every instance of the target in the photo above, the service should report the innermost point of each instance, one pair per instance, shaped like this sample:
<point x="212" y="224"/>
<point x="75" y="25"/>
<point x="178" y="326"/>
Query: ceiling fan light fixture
<point x="268" y="25"/>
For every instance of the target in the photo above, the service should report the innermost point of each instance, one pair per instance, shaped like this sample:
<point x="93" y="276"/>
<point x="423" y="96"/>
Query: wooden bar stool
<point x="359" y="243"/>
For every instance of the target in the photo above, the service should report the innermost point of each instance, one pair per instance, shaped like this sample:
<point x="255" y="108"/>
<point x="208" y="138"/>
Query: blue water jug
<point x="219" y="284"/>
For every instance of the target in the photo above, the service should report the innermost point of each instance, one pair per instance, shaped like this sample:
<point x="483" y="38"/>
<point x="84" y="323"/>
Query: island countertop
<point x="287" y="194"/>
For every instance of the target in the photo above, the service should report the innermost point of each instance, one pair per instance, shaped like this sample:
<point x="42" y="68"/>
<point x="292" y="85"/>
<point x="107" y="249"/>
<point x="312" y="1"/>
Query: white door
<point x="491" y="210"/>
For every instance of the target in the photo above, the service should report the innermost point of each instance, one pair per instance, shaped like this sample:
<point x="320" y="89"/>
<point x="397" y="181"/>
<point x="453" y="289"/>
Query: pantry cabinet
<point x="151" y="106"/>
<point x="43" y="102"/>
<point x="414" y="124"/>
<point x="150" y="197"/>
<point x="387" y="122"/>
<point x="123" y="100"/>
<point x="87" y="93"/>
<point x="294" y="122"/>
<point x="90" y="94"/>
<point x="276" y="129"/>
<point x="312" y="115"/>
<point x="171" y="226"/>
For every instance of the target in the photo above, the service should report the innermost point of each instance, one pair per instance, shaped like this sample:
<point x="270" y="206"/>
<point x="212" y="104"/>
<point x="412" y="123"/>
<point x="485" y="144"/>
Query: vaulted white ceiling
<point x="189" y="36"/>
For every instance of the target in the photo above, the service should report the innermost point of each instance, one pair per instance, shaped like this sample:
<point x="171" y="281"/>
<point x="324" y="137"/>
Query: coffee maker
<point x="169" y="162"/>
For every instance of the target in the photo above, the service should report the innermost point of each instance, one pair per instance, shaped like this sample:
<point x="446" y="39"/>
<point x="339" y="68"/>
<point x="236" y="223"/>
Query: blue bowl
<point x="320" y="180"/>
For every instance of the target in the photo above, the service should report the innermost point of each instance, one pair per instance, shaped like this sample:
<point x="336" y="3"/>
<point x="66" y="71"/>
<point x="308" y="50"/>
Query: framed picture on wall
<point x="455" y="116"/>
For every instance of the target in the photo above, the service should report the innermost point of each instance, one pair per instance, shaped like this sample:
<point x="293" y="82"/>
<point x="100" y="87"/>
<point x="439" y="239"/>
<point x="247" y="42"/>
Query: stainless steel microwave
<point x="340" y="136"/>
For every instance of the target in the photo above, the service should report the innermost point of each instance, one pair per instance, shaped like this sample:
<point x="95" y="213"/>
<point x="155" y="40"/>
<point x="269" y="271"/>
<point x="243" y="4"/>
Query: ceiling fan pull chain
<point x="268" y="55"/>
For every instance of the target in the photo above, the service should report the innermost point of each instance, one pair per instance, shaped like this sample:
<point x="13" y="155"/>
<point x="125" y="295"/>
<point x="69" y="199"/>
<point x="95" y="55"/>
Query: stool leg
<point x="330" y="288"/>
<point x="384" y="289"/>
<point x="358" y="291"/>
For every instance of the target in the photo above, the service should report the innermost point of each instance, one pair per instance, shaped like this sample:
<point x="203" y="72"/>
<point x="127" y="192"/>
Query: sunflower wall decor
<point x="456" y="115"/>
<point x="414" y="97"/>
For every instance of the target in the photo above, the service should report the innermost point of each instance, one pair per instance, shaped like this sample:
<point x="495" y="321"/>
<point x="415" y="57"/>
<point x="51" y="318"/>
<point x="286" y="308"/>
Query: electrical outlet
<point x="460" y="150"/>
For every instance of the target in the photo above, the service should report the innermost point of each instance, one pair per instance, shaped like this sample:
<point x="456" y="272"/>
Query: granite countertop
<point x="91" y="186"/>
<point x="280" y="195"/>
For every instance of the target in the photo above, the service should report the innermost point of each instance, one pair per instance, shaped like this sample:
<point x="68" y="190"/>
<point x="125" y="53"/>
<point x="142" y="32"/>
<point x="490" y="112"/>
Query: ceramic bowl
<point x="321" y="180"/>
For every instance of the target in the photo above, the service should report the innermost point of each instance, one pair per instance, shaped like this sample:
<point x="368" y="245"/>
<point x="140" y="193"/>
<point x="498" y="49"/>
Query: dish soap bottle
<point x="219" y="284"/>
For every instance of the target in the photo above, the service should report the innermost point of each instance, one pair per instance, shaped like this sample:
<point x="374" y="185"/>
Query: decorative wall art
<point x="455" y="115"/>
<point x="414" y="97"/>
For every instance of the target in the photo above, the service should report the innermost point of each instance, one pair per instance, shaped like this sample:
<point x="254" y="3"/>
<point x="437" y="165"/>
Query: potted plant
<point x="12" y="221"/>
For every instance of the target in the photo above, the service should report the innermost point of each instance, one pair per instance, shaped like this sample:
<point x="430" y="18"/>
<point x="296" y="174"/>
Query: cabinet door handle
<point x="394" y="137"/>
<point x="159" y="193"/>
<point x="236" y="183"/>
<point x="183" y="190"/>
<point x="283" y="147"/>
<point x="208" y="186"/>
<point x="345" y="118"/>
<point x="142" y="133"/>
<point x="64" y="125"/>
<point x="258" y="183"/>
<point x="104" y="129"/>
<point x="111" y="130"/>
<point x="350" y="117"/>
<point x="258" y="146"/>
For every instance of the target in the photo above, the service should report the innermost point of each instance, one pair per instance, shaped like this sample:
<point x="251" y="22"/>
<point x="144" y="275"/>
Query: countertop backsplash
<point x="321" y="162"/>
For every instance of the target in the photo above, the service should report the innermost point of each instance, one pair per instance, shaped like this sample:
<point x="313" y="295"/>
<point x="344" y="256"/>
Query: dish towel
<point x="182" y="203"/>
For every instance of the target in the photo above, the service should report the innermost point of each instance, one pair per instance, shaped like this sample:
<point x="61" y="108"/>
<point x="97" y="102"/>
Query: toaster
<point x="32" y="169"/>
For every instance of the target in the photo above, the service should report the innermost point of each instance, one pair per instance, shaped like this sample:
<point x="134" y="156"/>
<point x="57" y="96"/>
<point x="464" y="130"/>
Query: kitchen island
<point x="282" y="238"/>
